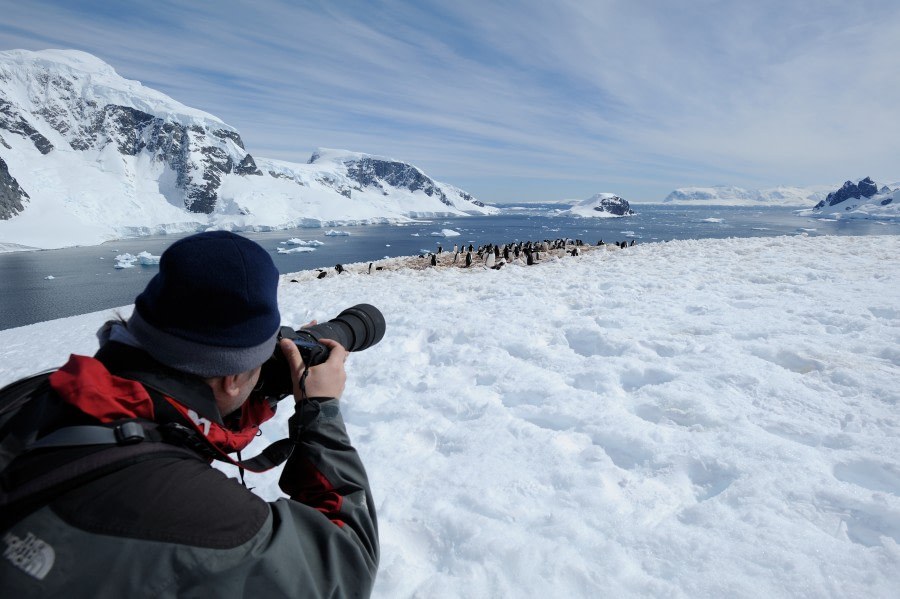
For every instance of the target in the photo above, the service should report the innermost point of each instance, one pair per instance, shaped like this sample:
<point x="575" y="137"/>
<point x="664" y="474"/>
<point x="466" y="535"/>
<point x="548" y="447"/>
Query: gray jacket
<point x="172" y="526"/>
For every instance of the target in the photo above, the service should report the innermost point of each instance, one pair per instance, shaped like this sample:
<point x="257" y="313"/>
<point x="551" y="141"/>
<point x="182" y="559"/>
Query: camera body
<point x="356" y="328"/>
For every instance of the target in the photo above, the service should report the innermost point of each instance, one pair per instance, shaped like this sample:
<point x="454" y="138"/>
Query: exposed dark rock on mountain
<point x="369" y="171"/>
<point x="11" y="195"/>
<point x="374" y="172"/>
<point x="614" y="205"/>
<point x="866" y="188"/>
<point x="198" y="155"/>
<point x="14" y="123"/>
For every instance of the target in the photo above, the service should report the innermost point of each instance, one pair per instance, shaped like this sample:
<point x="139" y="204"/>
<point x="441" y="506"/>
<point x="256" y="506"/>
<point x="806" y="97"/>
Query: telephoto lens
<point x="356" y="328"/>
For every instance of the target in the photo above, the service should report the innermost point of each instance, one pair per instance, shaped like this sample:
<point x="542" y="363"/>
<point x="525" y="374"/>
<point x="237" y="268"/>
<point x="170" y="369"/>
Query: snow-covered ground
<point x="711" y="418"/>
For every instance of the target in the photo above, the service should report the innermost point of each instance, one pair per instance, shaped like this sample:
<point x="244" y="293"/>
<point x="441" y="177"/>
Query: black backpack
<point x="105" y="448"/>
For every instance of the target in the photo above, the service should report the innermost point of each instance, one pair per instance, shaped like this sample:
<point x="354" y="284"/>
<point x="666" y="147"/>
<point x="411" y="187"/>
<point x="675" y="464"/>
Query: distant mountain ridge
<point x="862" y="199"/>
<point x="738" y="196"/>
<point x="864" y="188"/>
<point x="90" y="156"/>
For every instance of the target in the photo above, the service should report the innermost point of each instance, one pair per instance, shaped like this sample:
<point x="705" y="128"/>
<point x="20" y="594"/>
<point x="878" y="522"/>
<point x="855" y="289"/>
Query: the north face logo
<point x="30" y="554"/>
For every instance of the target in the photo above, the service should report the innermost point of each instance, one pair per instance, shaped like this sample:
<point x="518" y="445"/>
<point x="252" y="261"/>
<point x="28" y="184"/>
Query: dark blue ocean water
<point x="84" y="279"/>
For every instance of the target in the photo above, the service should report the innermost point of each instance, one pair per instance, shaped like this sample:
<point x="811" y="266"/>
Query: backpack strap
<point x="13" y="398"/>
<point x="14" y="395"/>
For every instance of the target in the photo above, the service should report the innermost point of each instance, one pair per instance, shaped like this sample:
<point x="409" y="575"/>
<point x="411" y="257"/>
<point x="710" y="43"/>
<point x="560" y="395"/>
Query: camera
<point x="356" y="328"/>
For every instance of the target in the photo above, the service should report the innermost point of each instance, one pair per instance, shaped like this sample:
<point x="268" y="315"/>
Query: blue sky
<point x="523" y="100"/>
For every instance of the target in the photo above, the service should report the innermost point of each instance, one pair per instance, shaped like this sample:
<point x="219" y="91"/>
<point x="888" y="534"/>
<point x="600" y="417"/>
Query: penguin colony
<point x="489" y="256"/>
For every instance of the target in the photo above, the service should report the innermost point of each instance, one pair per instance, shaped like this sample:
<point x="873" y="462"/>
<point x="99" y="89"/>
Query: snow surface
<point x="705" y="418"/>
<point x="98" y="82"/>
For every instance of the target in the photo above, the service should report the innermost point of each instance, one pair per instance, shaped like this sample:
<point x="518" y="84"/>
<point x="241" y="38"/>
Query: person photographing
<point x="107" y="488"/>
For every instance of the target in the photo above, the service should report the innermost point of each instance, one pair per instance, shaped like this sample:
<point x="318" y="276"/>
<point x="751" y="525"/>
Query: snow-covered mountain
<point x="863" y="199"/>
<point x="604" y="205"/>
<point x="738" y="196"/>
<point x="87" y="156"/>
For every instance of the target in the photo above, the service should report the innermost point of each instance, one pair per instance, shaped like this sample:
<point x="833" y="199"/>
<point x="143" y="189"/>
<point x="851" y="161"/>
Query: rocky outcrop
<point x="199" y="153"/>
<point x="13" y="122"/>
<point x="365" y="172"/>
<point x="368" y="171"/>
<point x="614" y="205"/>
<point x="600" y="205"/>
<point x="866" y="188"/>
<point x="11" y="195"/>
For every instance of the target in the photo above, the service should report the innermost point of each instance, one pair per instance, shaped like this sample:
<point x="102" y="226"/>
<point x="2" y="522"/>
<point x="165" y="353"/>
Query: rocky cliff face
<point x="866" y="188"/>
<point x="614" y="205"/>
<point x="365" y="173"/>
<point x="601" y="205"/>
<point x="38" y="97"/>
<point x="11" y="195"/>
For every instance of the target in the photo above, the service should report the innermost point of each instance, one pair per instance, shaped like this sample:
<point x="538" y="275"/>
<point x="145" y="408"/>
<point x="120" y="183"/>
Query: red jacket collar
<point x="86" y="383"/>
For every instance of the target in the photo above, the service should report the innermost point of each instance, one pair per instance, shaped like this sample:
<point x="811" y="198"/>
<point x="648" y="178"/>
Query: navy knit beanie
<point x="212" y="310"/>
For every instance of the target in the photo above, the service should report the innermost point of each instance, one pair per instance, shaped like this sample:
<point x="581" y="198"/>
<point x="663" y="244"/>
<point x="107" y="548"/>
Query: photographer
<point x="174" y="387"/>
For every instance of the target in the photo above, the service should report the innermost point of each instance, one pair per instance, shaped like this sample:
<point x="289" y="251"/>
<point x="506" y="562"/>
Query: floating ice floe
<point x="304" y="243"/>
<point x="296" y="250"/>
<point x="333" y="233"/>
<point x="130" y="260"/>
<point x="49" y="278"/>
<point x="445" y="233"/>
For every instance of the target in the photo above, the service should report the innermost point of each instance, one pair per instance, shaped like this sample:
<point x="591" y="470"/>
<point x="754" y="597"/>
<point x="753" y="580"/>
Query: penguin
<point x="440" y="249"/>
<point x="322" y="274"/>
<point x="433" y="260"/>
<point x="632" y="242"/>
<point x="370" y="268"/>
<point x="455" y="249"/>
<point x="468" y="258"/>
<point x="455" y="256"/>
<point x="489" y="260"/>
<point x="530" y="259"/>
<point x="339" y="268"/>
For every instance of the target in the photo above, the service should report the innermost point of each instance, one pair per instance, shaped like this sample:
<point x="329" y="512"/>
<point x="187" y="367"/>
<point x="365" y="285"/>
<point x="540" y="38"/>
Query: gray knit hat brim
<point x="196" y="358"/>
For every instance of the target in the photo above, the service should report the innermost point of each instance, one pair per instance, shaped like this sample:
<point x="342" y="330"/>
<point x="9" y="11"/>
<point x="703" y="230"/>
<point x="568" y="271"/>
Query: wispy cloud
<point x="522" y="100"/>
